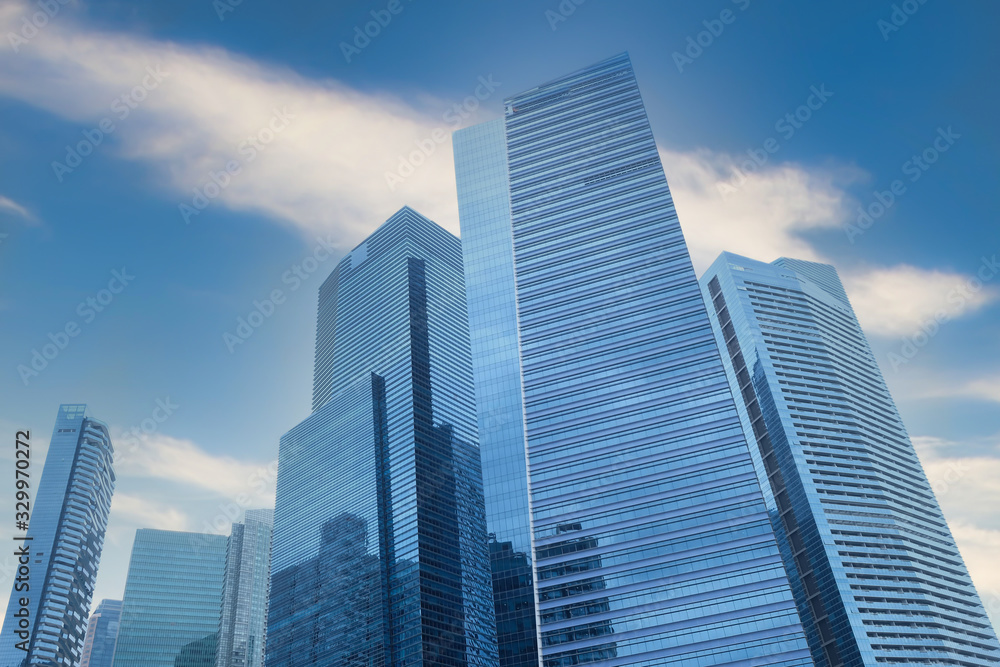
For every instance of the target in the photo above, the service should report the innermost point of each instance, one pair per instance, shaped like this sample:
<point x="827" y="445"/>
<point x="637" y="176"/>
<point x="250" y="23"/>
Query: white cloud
<point x="768" y="216"/>
<point x="142" y="512"/>
<point x="968" y="490"/>
<point x="325" y="172"/>
<point x="764" y="218"/>
<point x="185" y="464"/>
<point x="898" y="301"/>
<point x="10" y="206"/>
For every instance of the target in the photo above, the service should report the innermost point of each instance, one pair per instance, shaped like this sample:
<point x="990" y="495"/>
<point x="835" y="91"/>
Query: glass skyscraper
<point x="380" y="555"/>
<point x="611" y="440"/>
<point x="877" y="574"/>
<point x="173" y="598"/>
<point x="102" y="631"/>
<point x="243" y="623"/>
<point x="69" y="515"/>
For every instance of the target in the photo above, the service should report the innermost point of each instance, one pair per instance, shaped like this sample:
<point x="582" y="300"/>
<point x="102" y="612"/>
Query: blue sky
<point x="168" y="101"/>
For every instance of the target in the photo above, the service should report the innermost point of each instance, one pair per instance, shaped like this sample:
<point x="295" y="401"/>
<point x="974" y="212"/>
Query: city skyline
<point x="153" y="352"/>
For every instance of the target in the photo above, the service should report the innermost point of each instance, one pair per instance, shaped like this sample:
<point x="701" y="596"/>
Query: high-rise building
<point x="380" y="553"/>
<point x="102" y="631"/>
<point x="877" y="574"/>
<point x="614" y="457"/>
<point x="69" y="515"/>
<point x="173" y="599"/>
<point x="243" y="624"/>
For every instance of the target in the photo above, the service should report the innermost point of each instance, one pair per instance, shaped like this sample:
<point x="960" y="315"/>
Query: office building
<point x="243" y="623"/>
<point x="69" y="515"/>
<point x="173" y="600"/>
<point x="879" y="579"/>
<point x="596" y="365"/>
<point x="102" y="631"/>
<point x="380" y="553"/>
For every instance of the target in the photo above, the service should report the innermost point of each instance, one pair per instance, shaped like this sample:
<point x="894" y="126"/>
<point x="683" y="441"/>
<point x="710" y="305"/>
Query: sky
<point x="168" y="168"/>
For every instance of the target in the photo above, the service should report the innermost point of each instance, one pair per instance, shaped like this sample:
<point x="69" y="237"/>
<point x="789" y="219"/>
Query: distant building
<point x="875" y="568"/>
<point x="173" y="599"/>
<point x="102" y="631"/>
<point x="69" y="515"/>
<point x="243" y="625"/>
<point x="380" y="549"/>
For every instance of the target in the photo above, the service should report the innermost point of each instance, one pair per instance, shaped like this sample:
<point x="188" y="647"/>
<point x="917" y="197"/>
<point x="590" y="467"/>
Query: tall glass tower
<point x="879" y="579"/>
<point x="612" y="442"/>
<point x="65" y="537"/>
<point x="380" y="554"/>
<point x="243" y="624"/>
<point x="102" y="631"/>
<point x="173" y="597"/>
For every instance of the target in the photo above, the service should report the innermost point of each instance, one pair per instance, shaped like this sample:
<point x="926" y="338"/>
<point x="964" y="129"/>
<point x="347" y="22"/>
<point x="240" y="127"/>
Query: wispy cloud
<point x="325" y="172"/>
<point x="185" y="464"/>
<point x="137" y="511"/>
<point x="10" y="206"/>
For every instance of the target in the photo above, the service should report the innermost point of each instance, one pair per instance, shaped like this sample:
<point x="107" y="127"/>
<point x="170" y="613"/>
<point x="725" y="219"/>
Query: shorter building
<point x="243" y="623"/>
<point x="102" y="631"/>
<point x="69" y="515"/>
<point x="876" y="573"/>
<point x="173" y="599"/>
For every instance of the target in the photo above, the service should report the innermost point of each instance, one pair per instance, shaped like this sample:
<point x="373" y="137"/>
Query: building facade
<point x="380" y="554"/>
<point x="650" y="537"/>
<point x="243" y="621"/>
<point x="879" y="578"/>
<point x="173" y="600"/>
<point x="102" y="631"/>
<point x="484" y="210"/>
<point x="69" y="516"/>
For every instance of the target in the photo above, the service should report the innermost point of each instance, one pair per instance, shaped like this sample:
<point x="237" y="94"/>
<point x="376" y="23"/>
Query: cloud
<point x="12" y="207"/>
<point x="898" y="301"/>
<point x="324" y="172"/>
<point x="135" y="511"/>
<point x="770" y="214"/>
<point x="185" y="464"/>
<point x="765" y="218"/>
<point x="968" y="490"/>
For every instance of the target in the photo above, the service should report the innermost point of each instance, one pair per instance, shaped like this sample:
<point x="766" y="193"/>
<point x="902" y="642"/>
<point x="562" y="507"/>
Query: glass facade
<point x="243" y="622"/>
<point x="879" y="578"/>
<point x="651" y="536"/>
<point x="69" y="515"/>
<point x="102" y="631"/>
<point x="380" y="553"/>
<point x="173" y="598"/>
<point x="481" y="170"/>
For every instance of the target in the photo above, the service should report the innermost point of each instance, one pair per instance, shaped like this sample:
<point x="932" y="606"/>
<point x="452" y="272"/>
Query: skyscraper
<point x="243" y="624"/>
<point x="879" y="578"/>
<point x="173" y="598"/>
<point x="609" y="433"/>
<point x="69" y="516"/>
<point x="380" y="553"/>
<point x="102" y="631"/>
